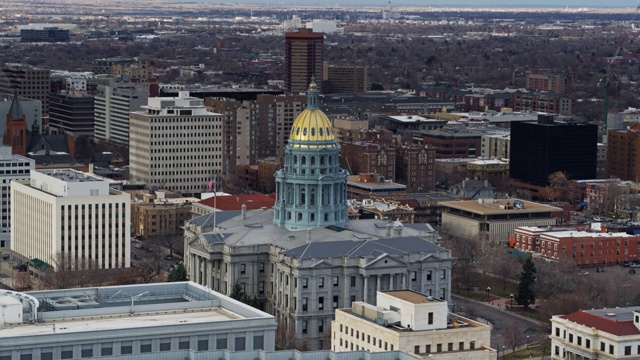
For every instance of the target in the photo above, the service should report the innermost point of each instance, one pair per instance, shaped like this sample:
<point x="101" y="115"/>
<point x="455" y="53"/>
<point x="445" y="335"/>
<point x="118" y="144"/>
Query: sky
<point x="450" y="3"/>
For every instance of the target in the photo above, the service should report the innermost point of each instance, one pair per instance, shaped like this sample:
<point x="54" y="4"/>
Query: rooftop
<point x="499" y="206"/>
<point x="125" y="307"/>
<point x="412" y="296"/>
<point x="617" y="321"/>
<point x="70" y="175"/>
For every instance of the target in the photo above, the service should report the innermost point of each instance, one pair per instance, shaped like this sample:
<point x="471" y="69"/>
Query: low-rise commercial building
<point x="412" y="323"/>
<point x="596" y="334"/>
<point x="118" y="321"/>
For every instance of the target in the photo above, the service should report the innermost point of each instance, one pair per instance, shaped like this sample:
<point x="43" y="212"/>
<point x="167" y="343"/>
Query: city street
<point x="500" y="320"/>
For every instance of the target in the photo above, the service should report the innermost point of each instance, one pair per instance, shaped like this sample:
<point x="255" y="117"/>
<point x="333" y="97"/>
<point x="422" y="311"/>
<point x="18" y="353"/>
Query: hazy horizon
<point x="441" y="3"/>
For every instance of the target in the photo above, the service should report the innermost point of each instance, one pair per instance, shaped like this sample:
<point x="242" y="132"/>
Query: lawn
<point x="532" y="351"/>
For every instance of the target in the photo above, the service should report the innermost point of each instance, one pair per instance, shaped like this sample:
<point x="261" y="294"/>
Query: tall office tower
<point x="311" y="189"/>
<point x="547" y="146"/>
<point x="112" y="106"/>
<point x="175" y="143"/>
<point x="303" y="60"/>
<point x="71" y="218"/>
<point x="71" y="113"/>
<point x="27" y="81"/>
<point x="257" y="129"/>
<point x="12" y="167"/>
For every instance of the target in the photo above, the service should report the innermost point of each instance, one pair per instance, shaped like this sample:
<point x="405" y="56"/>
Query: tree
<point x="512" y="334"/>
<point x="178" y="273"/>
<point x="22" y="281"/>
<point x="238" y="293"/>
<point x="526" y="295"/>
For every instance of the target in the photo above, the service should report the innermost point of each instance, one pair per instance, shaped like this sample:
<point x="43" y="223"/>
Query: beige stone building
<point x="495" y="219"/>
<point x="161" y="212"/>
<point x="410" y="322"/>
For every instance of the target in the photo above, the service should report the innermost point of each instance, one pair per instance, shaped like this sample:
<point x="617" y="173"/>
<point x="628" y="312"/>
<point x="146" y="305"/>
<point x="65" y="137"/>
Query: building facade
<point x="159" y="213"/>
<point x="596" y="334"/>
<point x="621" y="149"/>
<point x="542" y="148"/>
<point x="71" y="113"/>
<point x="126" y="321"/>
<point x="14" y="167"/>
<point x="583" y="248"/>
<point x="69" y="217"/>
<point x="344" y="79"/>
<point x="26" y="81"/>
<point x="112" y="105"/>
<point x="303" y="60"/>
<point x="176" y="144"/>
<point x="413" y="323"/>
<point x="495" y="220"/>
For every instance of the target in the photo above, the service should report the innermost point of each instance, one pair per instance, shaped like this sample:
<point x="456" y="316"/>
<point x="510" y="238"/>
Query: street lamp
<point x="511" y="304"/>
<point x="503" y="352"/>
<point x="527" y="341"/>
<point x="488" y="291"/>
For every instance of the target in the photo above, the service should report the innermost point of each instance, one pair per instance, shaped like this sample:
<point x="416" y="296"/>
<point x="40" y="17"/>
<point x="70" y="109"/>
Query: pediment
<point x="384" y="261"/>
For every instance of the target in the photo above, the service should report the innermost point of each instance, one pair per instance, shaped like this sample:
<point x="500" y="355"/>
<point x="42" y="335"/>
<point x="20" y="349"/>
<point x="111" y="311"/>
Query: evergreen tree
<point x="178" y="273"/>
<point x="526" y="295"/>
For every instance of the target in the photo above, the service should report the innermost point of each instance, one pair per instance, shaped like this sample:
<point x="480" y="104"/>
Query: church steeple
<point x="16" y="128"/>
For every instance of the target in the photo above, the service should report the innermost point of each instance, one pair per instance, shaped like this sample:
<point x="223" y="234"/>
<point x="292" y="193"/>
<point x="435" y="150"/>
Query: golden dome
<point x="312" y="125"/>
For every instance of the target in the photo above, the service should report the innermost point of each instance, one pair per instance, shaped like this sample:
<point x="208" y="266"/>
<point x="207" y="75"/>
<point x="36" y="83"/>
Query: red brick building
<point x="584" y="248"/>
<point x="365" y="157"/>
<point x="416" y="167"/>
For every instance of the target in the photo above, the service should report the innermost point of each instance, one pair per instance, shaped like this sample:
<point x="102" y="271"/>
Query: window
<point x="240" y="343"/>
<point x="106" y="349"/>
<point x="353" y="281"/>
<point x="335" y="301"/>
<point x="627" y="350"/>
<point x="126" y="348"/>
<point x="261" y="287"/>
<point x="165" y="344"/>
<point x="258" y="342"/>
<point x="472" y="345"/>
<point x="304" y="326"/>
<point x="430" y="320"/>
<point x="261" y="267"/>
<point x="183" y="343"/>
<point x="305" y="283"/>
<point x="416" y="349"/>
<point x="439" y="348"/>
<point x="428" y="348"/>
<point x="570" y="338"/>
<point x="320" y="326"/>
<point x="461" y="345"/>
<point x="305" y="301"/>
<point x="429" y="275"/>
<point x="450" y="347"/>
<point x="587" y="343"/>
<point x="321" y="303"/>
<point x="414" y="276"/>
<point x="335" y="281"/>
<point x="145" y="346"/>
<point x="221" y="344"/>
<point x="611" y="349"/>
<point x="443" y="274"/>
<point x="243" y="268"/>
<point x="602" y="345"/>
<point x="86" y="352"/>
<point x="321" y="282"/>
<point x="579" y="340"/>
<point x="558" y="332"/>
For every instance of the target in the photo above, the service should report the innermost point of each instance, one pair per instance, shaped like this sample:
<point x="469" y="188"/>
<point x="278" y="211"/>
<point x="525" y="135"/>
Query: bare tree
<point x="505" y="266"/>
<point x="22" y="281"/>
<point x="512" y="334"/>
<point x="285" y="338"/>
<point x="464" y="273"/>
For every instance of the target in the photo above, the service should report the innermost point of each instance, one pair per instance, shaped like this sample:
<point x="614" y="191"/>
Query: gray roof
<point x="621" y="314"/>
<point x="15" y="111"/>
<point x="363" y="248"/>
<point x="258" y="229"/>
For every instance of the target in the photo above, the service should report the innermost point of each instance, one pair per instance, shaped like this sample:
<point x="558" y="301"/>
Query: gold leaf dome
<point x="312" y="124"/>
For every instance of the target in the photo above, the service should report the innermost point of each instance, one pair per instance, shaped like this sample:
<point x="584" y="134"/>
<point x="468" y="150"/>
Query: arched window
<point x="320" y="131"/>
<point x="303" y="198"/>
<point x="312" y="198"/>
<point x="304" y="132"/>
<point x="313" y="160"/>
<point x="303" y="160"/>
<point x="321" y="160"/>
<point x="295" y="159"/>
<point x="313" y="131"/>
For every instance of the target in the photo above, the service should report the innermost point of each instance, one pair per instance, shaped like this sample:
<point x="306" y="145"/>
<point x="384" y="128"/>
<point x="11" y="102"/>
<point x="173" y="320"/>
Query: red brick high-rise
<point x="303" y="59"/>
<point x="16" y="132"/>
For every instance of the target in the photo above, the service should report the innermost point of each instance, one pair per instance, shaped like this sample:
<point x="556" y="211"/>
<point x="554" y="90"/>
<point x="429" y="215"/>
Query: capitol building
<point x="304" y="258"/>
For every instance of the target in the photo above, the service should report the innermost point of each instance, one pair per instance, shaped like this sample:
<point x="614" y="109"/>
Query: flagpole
<point x="215" y="206"/>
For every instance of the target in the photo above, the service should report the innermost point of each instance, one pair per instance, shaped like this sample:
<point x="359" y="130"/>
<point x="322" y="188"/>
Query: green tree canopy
<point x="178" y="273"/>
<point x="526" y="295"/>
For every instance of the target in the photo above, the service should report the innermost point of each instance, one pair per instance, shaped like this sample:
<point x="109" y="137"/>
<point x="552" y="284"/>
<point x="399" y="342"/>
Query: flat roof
<point x="412" y="296"/>
<point x="70" y="175"/>
<point x="493" y="206"/>
<point x="573" y="233"/>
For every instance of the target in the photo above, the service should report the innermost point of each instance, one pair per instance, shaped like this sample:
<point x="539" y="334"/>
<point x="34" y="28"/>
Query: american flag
<point x="212" y="183"/>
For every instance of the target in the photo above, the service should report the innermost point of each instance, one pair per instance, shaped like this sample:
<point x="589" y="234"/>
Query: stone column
<point x="404" y="280"/>
<point x="366" y="288"/>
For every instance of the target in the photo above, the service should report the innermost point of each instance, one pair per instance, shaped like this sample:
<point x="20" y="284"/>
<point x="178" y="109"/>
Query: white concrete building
<point x="176" y="144"/>
<point x="596" y="334"/>
<point x="123" y="321"/>
<point x="70" y="216"/>
<point x="410" y="322"/>
<point x="12" y="167"/>
<point x="112" y="105"/>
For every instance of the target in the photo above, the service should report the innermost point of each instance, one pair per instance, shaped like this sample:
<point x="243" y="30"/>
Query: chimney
<point x="91" y="168"/>
<point x="244" y="212"/>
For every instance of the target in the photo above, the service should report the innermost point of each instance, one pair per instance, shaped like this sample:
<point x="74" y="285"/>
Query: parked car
<point x="168" y="257"/>
<point x="137" y="246"/>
